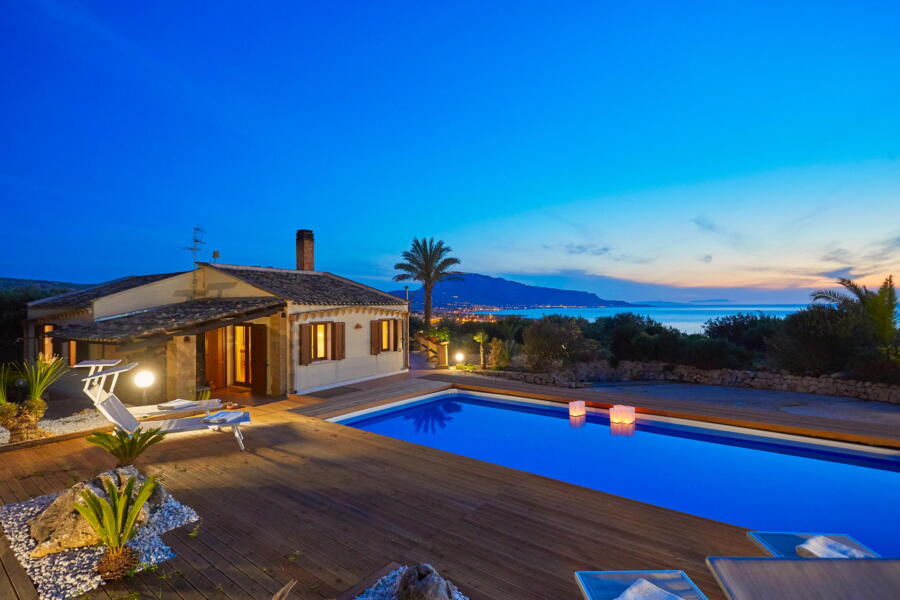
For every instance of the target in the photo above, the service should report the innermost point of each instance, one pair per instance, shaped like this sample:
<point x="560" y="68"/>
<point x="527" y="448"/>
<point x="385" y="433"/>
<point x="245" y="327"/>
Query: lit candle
<point x="577" y="408"/>
<point x="621" y="414"/>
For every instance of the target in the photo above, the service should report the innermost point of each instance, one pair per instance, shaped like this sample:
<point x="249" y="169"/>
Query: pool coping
<point x="562" y="398"/>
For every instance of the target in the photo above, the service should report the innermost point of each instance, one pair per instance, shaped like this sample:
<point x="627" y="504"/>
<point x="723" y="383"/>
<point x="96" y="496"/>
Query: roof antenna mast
<point x="196" y="242"/>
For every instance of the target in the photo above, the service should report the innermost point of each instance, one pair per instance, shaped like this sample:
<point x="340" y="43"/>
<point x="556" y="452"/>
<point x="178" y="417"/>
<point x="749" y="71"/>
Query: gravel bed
<point x="386" y="588"/>
<point x="80" y="421"/>
<point x="68" y="574"/>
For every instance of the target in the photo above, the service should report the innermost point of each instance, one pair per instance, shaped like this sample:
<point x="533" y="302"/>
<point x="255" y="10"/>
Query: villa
<point x="273" y="331"/>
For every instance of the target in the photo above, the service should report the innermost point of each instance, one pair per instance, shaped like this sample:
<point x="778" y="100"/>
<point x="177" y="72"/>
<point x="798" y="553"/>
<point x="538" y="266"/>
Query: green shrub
<point x="113" y="519"/>
<point x="748" y="330"/>
<point x="124" y="447"/>
<point x="817" y="340"/>
<point x="42" y="373"/>
<point x="555" y="341"/>
<point x="704" y="353"/>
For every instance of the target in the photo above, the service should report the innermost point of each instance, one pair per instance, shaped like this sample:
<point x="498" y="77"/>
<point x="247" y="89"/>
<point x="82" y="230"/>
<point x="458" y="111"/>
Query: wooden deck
<point x="327" y="505"/>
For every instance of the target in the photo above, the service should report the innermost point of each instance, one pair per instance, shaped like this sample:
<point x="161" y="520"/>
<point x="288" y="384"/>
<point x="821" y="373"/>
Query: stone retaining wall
<point x="659" y="371"/>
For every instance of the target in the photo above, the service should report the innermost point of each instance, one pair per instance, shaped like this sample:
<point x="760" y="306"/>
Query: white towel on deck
<point x="822" y="546"/>
<point x="645" y="590"/>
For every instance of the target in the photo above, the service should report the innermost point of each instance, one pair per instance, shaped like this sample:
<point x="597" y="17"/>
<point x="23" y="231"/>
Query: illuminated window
<point x="386" y="336"/>
<point x="320" y="341"/>
<point x="242" y="354"/>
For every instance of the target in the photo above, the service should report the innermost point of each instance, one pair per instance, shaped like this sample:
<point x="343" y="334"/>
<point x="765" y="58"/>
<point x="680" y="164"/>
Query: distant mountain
<point x="8" y="283"/>
<point x="481" y="291"/>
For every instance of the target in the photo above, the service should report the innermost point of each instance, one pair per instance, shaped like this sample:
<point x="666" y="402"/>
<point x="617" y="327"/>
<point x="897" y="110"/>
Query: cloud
<point x="884" y="249"/>
<point x="732" y="238"/>
<point x="844" y="273"/>
<point x="706" y="258"/>
<point x="592" y="249"/>
<point x="839" y="255"/>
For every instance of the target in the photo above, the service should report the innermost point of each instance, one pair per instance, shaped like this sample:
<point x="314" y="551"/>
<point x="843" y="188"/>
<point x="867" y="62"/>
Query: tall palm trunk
<point x="427" y="306"/>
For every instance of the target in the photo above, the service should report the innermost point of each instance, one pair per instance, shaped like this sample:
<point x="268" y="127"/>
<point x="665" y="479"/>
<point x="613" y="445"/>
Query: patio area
<point x="328" y="505"/>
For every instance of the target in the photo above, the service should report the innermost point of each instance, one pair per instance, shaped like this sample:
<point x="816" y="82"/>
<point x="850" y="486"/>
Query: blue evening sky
<point x="641" y="150"/>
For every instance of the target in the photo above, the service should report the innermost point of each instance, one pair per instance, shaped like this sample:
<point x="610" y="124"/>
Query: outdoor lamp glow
<point x="577" y="409"/>
<point x="459" y="356"/>
<point x="621" y="414"/>
<point x="144" y="379"/>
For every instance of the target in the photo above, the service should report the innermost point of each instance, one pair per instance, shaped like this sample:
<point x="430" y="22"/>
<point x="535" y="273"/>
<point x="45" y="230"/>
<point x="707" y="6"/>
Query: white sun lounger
<point x="191" y="406"/>
<point x="783" y="544"/>
<point x="609" y="585"/>
<point x="117" y="414"/>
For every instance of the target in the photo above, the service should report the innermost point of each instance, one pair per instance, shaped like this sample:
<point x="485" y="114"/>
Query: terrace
<point x="328" y="505"/>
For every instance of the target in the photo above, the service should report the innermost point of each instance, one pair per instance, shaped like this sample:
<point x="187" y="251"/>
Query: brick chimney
<point x="305" y="250"/>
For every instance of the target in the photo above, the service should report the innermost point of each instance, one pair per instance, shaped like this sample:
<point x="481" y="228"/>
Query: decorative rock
<point x="61" y="527"/>
<point x="423" y="582"/>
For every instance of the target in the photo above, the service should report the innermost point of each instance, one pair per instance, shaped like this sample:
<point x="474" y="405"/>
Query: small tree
<point x="481" y="337"/>
<point x="499" y="357"/>
<point x="551" y="342"/>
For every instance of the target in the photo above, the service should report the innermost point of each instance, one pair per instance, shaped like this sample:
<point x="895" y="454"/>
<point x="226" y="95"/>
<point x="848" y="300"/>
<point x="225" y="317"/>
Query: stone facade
<point x="660" y="371"/>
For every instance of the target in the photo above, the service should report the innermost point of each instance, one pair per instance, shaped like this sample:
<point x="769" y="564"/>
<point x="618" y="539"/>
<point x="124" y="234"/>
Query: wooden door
<point x="215" y="359"/>
<point x="259" y="359"/>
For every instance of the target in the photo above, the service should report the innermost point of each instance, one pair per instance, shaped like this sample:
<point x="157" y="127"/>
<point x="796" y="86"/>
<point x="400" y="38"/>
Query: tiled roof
<point x="169" y="318"/>
<point x="309" y="287"/>
<point x="83" y="298"/>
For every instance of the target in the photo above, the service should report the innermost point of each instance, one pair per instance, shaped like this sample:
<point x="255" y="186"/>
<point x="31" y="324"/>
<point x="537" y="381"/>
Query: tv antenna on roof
<point x="196" y="242"/>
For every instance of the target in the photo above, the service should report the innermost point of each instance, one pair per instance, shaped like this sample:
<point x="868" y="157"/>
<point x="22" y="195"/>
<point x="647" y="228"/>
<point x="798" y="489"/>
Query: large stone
<point x="423" y="582"/>
<point x="60" y="527"/>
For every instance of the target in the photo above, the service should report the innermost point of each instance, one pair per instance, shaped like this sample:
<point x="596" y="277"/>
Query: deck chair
<point x="174" y="407"/>
<point x="609" y="585"/>
<point x="783" y="544"/>
<point x="117" y="414"/>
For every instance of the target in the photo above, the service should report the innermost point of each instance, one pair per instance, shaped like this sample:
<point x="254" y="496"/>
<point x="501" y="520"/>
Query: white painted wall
<point x="359" y="364"/>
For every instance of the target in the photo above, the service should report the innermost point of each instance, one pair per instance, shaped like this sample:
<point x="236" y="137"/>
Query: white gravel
<point x="386" y="588"/>
<point x="71" y="573"/>
<point x="81" y="421"/>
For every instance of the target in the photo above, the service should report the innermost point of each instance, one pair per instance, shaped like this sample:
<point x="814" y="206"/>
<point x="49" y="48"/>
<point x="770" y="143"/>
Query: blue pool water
<point x="754" y="482"/>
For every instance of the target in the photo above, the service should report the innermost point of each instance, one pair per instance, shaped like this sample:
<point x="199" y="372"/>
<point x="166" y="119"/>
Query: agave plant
<point x="40" y="374"/>
<point x="113" y="519"/>
<point x="124" y="446"/>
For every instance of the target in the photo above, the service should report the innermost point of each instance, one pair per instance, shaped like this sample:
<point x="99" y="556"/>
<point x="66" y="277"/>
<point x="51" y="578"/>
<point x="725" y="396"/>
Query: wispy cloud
<point x="732" y="238"/>
<point x="706" y="258"/>
<point x="592" y="249"/>
<point x="844" y="273"/>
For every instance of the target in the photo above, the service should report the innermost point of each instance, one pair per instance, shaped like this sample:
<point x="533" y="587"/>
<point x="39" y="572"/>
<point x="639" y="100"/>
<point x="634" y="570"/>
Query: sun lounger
<point x="116" y="413"/>
<point x="174" y="407"/>
<point x="806" y="578"/>
<point x="609" y="585"/>
<point x="783" y="544"/>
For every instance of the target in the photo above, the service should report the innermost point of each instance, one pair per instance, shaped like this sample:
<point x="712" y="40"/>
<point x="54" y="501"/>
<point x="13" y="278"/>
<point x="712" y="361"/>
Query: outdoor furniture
<point x="116" y="412"/>
<point x="175" y="407"/>
<point x="783" y="544"/>
<point x="806" y="578"/>
<point x="608" y="585"/>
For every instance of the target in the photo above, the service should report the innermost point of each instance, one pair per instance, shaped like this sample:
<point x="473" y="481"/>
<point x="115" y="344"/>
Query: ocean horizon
<point x="686" y="318"/>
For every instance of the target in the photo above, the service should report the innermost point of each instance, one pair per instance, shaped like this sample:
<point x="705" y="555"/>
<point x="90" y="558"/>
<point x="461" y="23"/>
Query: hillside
<point x="476" y="290"/>
<point x="8" y="283"/>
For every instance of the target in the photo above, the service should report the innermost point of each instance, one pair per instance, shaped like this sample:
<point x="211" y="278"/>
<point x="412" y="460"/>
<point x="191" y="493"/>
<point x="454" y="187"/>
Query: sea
<point x="687" y="318"/>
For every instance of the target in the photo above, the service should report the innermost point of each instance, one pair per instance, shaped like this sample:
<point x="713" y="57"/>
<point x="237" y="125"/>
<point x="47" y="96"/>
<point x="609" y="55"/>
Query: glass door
<point x="242" y="354"/>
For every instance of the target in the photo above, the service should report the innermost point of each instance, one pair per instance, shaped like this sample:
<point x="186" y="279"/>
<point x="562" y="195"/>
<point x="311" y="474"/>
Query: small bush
<point x="816" y="340"/>
<point x="747" y="330"/>
<point x="126" y="448"/>
<point x="114" y="519"/>
<point x="554" y="341"/>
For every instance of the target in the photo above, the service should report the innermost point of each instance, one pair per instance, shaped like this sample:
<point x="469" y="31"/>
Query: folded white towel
<point x="645" y="590"/>
<point x="175" y="404"/>
<point x="822" y="546"/>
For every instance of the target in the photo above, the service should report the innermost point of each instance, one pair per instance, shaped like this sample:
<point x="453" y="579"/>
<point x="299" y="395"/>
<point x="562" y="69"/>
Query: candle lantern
<point x="577" y="409"/>
<point x="621" y="414"/>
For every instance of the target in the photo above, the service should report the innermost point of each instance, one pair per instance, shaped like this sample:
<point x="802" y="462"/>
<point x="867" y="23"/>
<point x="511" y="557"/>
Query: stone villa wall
<point x="659" y="371"/>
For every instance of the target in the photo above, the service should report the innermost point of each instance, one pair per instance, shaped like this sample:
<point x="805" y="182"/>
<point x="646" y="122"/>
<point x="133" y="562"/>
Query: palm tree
<point x="481" y="337"/>
<point x="427" y="261"/>
<point x="879" y="307"/>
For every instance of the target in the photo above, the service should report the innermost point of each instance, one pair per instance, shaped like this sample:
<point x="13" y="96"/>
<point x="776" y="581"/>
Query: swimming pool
<point x="749" y="478"/>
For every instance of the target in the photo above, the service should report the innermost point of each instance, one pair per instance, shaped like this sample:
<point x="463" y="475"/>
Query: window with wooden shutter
<point x="305" y="344"/>
<point x="375" y="337"/>
<point x="339" y="342"/>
